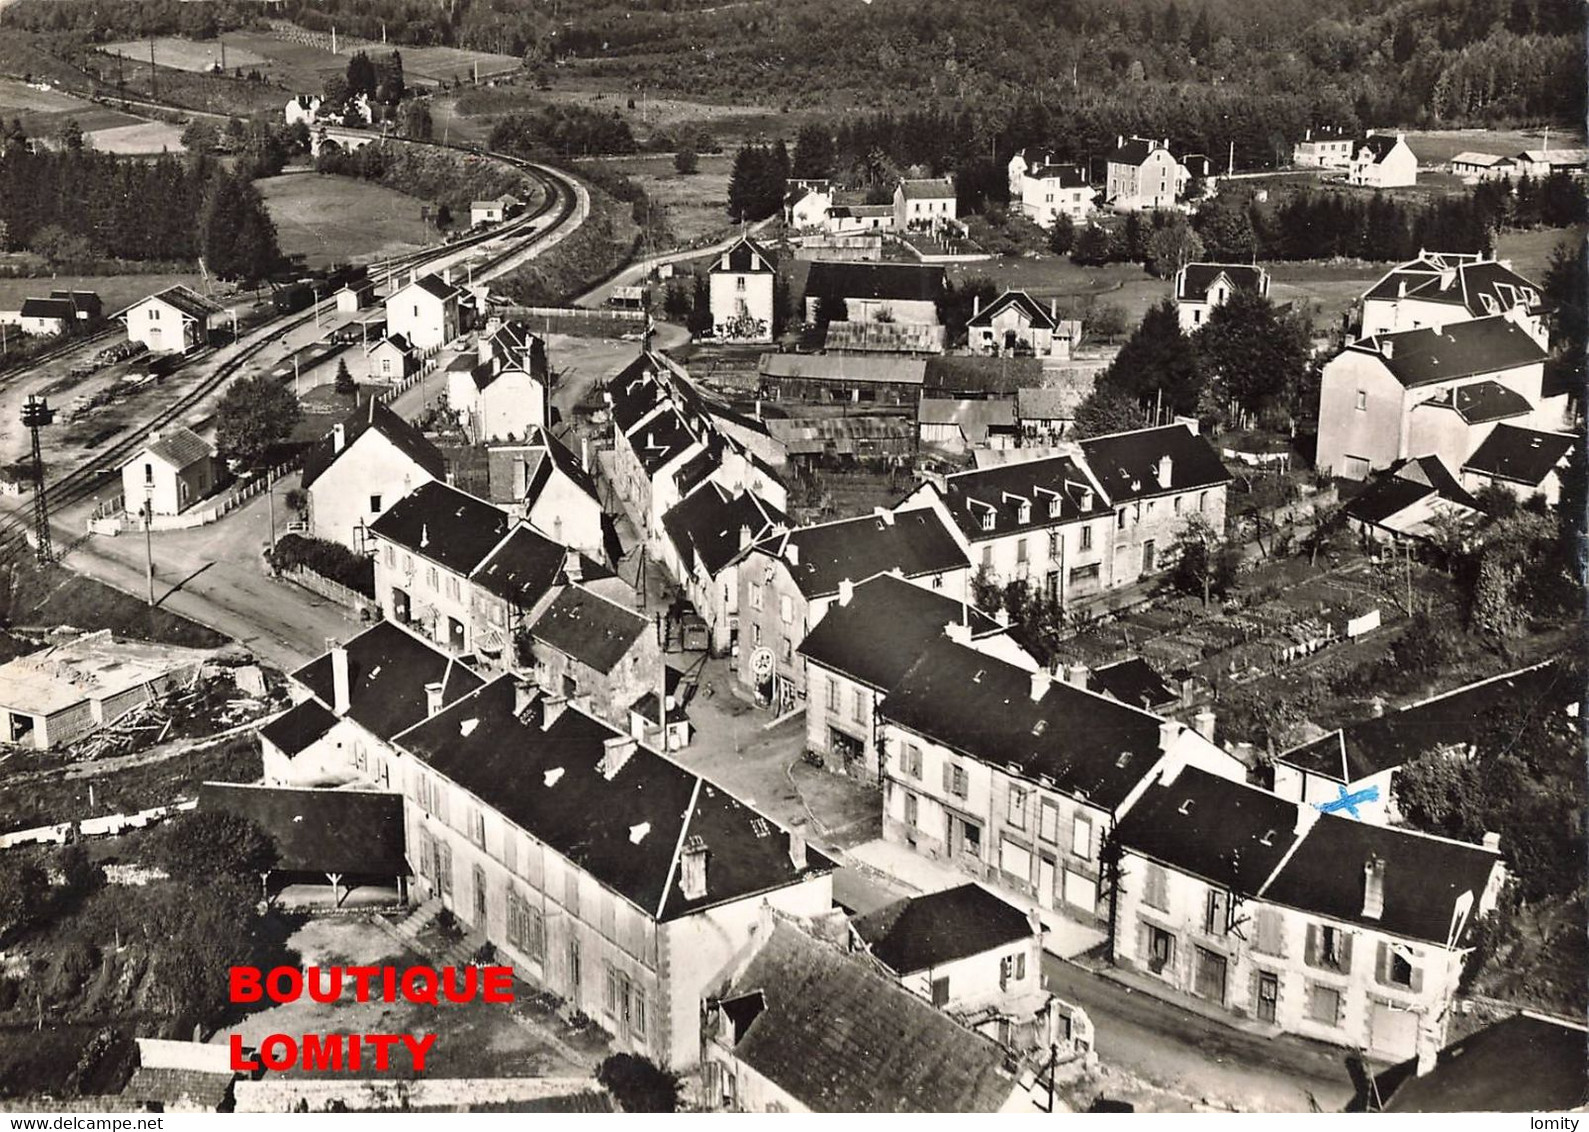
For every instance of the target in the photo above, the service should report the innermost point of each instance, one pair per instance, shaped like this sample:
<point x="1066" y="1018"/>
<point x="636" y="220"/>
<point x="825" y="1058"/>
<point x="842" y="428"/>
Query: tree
<point x="336" y="92"/>
<point x="1062" y="236"/>
<point x="814" y="158"/>
<point x="1106" y="321"/>
<point x="237" y="236"/>
<point x="362" y="77"/>
<point x="1170" y="247"/>
<point x="1105" y="410"/>
<point x="1205" y="563"/>
<point x="201" y="136"/>
<point x="24" y="891"/>
<point x="1093" y="247"/>
<point x="80" y="876"/>
<point x="417" y="122"/>
<point x="256" y="412"/>
<point x="1258" y="355"/>
<point x="686" y="161"/>
<point x="72" y="136"/>
<point x="345" y="383"/>
<point x="638" y="1084"/>
<point x="205" y="844"/>
<point x="1225" y="224"/>
<point x="1158" y="361"/>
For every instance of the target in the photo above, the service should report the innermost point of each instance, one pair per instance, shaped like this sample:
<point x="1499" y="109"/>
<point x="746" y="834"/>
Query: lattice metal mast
<point x="36" y="414"/>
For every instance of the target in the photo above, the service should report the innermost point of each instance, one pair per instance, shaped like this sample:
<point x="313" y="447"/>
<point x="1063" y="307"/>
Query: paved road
<point x="641" y="268"/>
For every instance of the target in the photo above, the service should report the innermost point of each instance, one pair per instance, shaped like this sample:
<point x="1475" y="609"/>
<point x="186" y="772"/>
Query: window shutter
<point x="1312" y="956"/>
<point x="1382" y="964"/>
<point x="1416" y="985"/>
<point x="948" y="777"/>
<point x="1346" y="953"/>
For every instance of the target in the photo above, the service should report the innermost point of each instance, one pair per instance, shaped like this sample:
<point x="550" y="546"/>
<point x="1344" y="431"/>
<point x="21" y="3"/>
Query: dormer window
<point x="1023" y="512"/>
<point x="1053" y="507"/>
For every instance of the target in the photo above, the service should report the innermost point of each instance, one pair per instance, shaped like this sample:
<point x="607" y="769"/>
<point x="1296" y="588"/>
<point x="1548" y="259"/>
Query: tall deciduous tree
<point x="1158" y="360"/>
<point x="1106" y="410"/>
<point x="1258" y="354"/>
<point x="256" y="412"/>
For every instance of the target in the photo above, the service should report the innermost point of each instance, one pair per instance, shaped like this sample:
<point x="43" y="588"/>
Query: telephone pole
<point x="36" y="414"/>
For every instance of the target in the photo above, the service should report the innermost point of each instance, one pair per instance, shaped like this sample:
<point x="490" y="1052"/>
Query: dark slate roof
<point x="434" y="284"/>
<point x="880" y="633"/>
<point x="1068" y="176"/>
<point x="1227" y="833"/>
<point x="1524" y="1063"/>
<point x="1379" y="145"/>
<point x="902" y="281"/>
<point x="626" y="831"/>
<point x="48" y="308"/>
<point x="563" y="461"/>
<point x="1132" y="682"/>
<point x="180" y="447"/>
<point x="589" y="628"/>
<point x="1133" y="152"/>
<point x="320" y="831"/>
<point x="297" y="727"/>
<point x="1199" y="277"/>
<point x="1127" y="463"/>
<point x="1327" y="133"/>
<point x="1424" y="877"/>
<point x="1403" y="484"/>
<point x="189" y="302"/>
<point x="374" y="415"/>
<point x="165" y="1086"/>
<point x="999" y="490"/>
<point x="839" y="1037"/>
<point x="913" y="542"/>
<point x="522" y="569"/>
<point x="1519" y="455"/>
<point x="920" y="932"/>
<point x="633" y="391"/>
<point x="971" y="374"/>
<point x="1034" y="311"/>
<point x="707" y="525"/>
<point x="982" y="707"/>
<point x="1459" y="349"/>
<point x="927" y="188"/>
<point x="1352" y="753"/>
<point x="388" y="668"/>
<point x="746" y="255"/>
<point x="449" y="527"/>
<point x="1485" y="401"/>
<point x="661" y="440"/>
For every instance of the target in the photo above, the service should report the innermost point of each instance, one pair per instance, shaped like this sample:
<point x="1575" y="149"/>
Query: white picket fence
<point x="111" y="517"/>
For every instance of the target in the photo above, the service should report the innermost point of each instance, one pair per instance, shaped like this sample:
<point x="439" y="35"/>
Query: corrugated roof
<point x="180" y="447"/>
<point x="844" y="368"/>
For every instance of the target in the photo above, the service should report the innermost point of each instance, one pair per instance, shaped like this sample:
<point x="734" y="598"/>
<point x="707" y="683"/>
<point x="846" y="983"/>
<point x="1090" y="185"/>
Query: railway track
<point x="84" y="481"/>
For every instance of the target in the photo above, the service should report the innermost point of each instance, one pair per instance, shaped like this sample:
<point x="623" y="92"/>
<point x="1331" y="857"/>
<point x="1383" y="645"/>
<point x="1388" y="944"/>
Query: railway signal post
<point x="37" y="414"/>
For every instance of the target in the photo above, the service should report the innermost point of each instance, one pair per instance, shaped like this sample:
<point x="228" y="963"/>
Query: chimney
<point x="446" y="275"/>
<point x="615" y="753"/>
<point x="692" y="869"/>
<point x="758" y="408"/>
<point x="958" y="632"/>
<point x="341" y="685"/>
<point x="1492" y="841"/>
<point x="433" y="693"/>
<point x="1120" y="140"/>
<point x="846" y="591"/>
<point x="1387" y="349"/>
<point x="551" y="708"/>
<point x="524" y="694"/>
<point x="1076" y="675"/>
<point x="1053" y="309"/>
<point x="584" y="453"/>
<point x="884" y="514"/>
<point x="572" y="568"/>
<point x="482" y="349"/>
<point x="1041" y="679"/>
<point x="791" y="552"/>
<point x="1245" y="754"/>
<point x="1373" y="888"/>
<point x="1166" y="467"/>
<point x="1401" y="288"/>
<point x="797" y="850"/>
<point x="1307" y="134"/>
<point x="339" y="437"/>
<point x="521" y="477"/>
<point x="744" y="536"/>
<point x="1203" y="723"/>
<point x="1169" y="731"/>
<point x="976" y="305"/>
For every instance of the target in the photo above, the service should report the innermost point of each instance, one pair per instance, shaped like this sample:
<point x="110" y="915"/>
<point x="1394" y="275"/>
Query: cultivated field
<point x="695" y="205"/>
<point x="337" y="219"/>
<point x="302" y="59"/>
<point x="115" y="291"/>
<point x="139" y="137"/>
<point x="44" y="112"/>
<point x="1440" y="146"/>
<point x="187" y="54"/>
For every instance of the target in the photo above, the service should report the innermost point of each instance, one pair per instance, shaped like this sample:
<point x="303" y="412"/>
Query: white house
<point x="923" y="205"/>
<point x="390" y="360"/>
<point x="1200" y="287"/>
<point x="806" y="204"/>
<point x="302" y="108"/>
<point x="1143" y="175"/>
<point x="1046" y="190"/>
<point x="1524" y="461"/>
<point x="425" y="312"/>
<point x="541" y="482"/>
<point x="500" y="391"/>
<point x="740" y="285"/>
<point x="364" y="465"/>
<point x="1439" y="288"/>
<point x="493" y="211"/>
<point x="1017" y="323"/>
<point x="174" y="468"/>
<point x="1383" y="161"/>
<point x="176" y="319"/>
<point x="1326" y="148"/>
<point x="1473" y="167"/>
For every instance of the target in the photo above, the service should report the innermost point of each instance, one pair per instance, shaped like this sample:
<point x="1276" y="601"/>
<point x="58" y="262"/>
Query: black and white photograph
<point x="793" y="556"/>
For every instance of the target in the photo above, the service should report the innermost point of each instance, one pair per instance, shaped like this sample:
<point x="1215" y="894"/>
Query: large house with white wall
<point x="1383" y="161"/>
<point x="366" y="463"/>
<point x="924" y="204"/>
<point x="1439" y="288"/>
<point x="806" y="204"/>
<point x="177" y="319"/>
<point x="1016" y="323"/>
<point x="502" y="390"/>
<point x="740" y="292"/>
<point x="1319" y="925"/>
<point x="425" y="311"/>
<point x="709" y="534"/>
<point x="1045" y="190"/>
<point x="1143" y="175"/>
<point x="1323" y="148"/>
<point x="541" y="482"/>
<point x="174" y="469"/>
<point x="905" y="293"/>
<point x="1200" y="287"/>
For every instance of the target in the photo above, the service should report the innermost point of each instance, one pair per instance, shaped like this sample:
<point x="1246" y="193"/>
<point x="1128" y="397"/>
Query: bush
<point x="204" y="845"/>
<point x="638" y="1084"/>
<point x="686" y="161"/>
<point x="328" y="559"/>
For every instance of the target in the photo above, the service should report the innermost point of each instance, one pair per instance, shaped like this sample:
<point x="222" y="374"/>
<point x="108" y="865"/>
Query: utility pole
<point x="270" y="494"/>
<point x="36" y="414"/>
<point x="154" y="89"/>
<point x="148" y="540"/>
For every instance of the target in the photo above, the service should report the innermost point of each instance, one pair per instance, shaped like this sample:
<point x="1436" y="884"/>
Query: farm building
<point x="178" y="318"/>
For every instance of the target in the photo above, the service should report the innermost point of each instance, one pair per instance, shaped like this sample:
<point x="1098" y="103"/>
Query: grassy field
<point x="1529" y="252"/>
<point x="140" y="137"/>
<point x="337" y="219"/>
<point x="304" y="60"/>
<point x="115" y="291"/>
<point x="186" y="54"/>
<point x="1440" y="146"/>
<point x="44" y="112"/>
<point x="694" y="206"/>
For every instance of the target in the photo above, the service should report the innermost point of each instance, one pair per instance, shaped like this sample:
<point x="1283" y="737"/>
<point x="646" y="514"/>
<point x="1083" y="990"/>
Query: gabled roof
<point x="1424" y="877"/>
<point x="1227" y="833"/>
<point x="388" y="668"/>
<point x="1359" y="750"/>
<point x="179" y="446"/>
<point x="970" y="374"/>
<point x="1520" y="455"/>
<point x="1029" y="308"/>
<point x="975" y="418"/>
<point x="627" y="831"/>
<point x="707" y="524"/>
<point x="922" y="932"/>
<point x="1326" y="134"/>
<point x="982" y="707"/>
<point x="433" y="285"/>
<point x="358" y="832"/>
<point x="186" y="300"/>
<point x="1127" y="463"/>
<point x="914" y="542"/>
<point x="1134" y="151"/>
<point x="373" y="416"/>
<point x="1036" y="486"/>
<point x="590" y="628"/>
<point x="884" y="628"/>
<point x="1195" y="280"/>
<point x="48" y="308"/>
<point x="844" y="368"/>
<point x="1484" y="160"/>
<point x="661" y="440"/>
<point x="1482" y="402"/>
<point x="1482" y="287"/>
<point x="297" y="728"/>
<point x="1379" y="146"/>
<point x="1525" y="1063"/>
<point x="927" y="188"/>
<point x="900" y="281"/>
<point x="449" y="527"/>
<point x="1050" y="402"/>
<point x="838" y="1037"/>
<point x="745" y="255"/>
<point x="1068" y="176"/>
<point x="522" y="568"/>
<point x="1132" y="682"/>
<point x="1404" y="484"/>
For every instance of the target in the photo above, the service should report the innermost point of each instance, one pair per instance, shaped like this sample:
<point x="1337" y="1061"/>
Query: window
<point x="1324" y="1004"/>
<point x="430" y="577"/>
<point x="1155" y="888"/>
<point x="739" y="283"/>
<point x="910" y="760"/>
<point x="1015" y="860"/>
<point x="148" y="473"/>
<point x="987" y="556"/>
<point x="510" y="850"/>
<point x="788" y="650"/>
<point x="987" y="519"/>
<point x="1081" y="838"/>
<point x="390" y="557"/>
<point x="571" y="892"/>
<point x="1269" y="932"/>
<point x="1120" y="520"/>
<point x="755" y="595"/>
<point x="1362" y="401"/>
<point x="1175" y="505"/>
<point x="1202" y="501"/>
<point x="452" y="586"/>
<point x="386" y="365"/>
<point x="755" y="635"/>
<point x="375" y="508"/>
<point x="858" y="708"/>
<point x="1048" y="820"/>
<point x="1017" y="807"/>
<point x="1395" y="968"/>
<point x="1160" y="948"/>
<point x="940" y="991"/>
<point x="1328" y="948"/>
<point x="833" y="695"/>
<point x="1086" y="537"/>
<point x="477" y="826"/>
<point x="1084" y="573"/>
<point x="954" y="779"/>
<point x="526" y="929"/>
<point x="786" y="609"/>
<point x="1216" y="919"/>
<point x="154" y="314"/>
<point x="912" y="810"/>
<point x="1011" y="967"/>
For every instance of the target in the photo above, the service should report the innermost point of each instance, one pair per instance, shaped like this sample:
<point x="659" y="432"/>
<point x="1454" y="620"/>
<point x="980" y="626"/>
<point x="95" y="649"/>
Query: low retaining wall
<point x="285" y="1094"/>
<point x="326" y="588"/>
